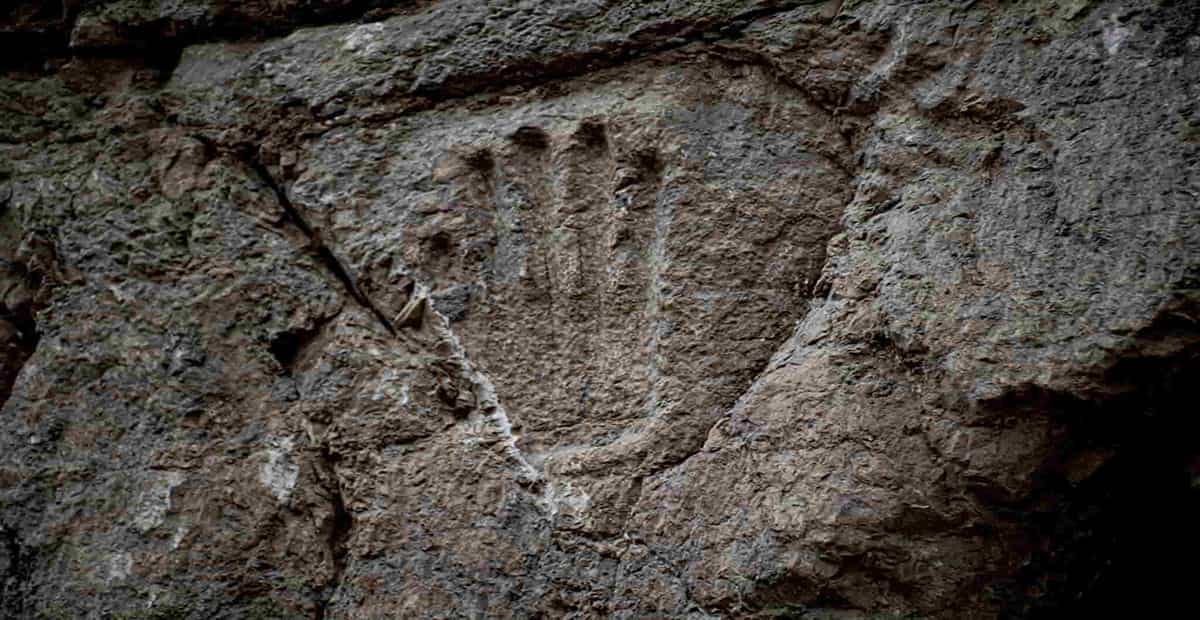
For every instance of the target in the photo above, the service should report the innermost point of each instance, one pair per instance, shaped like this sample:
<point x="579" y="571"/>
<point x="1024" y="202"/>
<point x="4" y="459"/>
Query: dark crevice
<point x="18" y="329"/>
<point x="167" y="38"/>
<point x="1113" y="512"/>
<point x="318" y="247"/>
<point x="18" y="340"/>
<point x="531" y="137"/>
<point x="339" y="528"/>
<point x="15" y="569"/>
<point x="48" y="36"/>
<point x="35" y="31"/>
<point x="161" y="59"/>
<point x="288" y="347"/>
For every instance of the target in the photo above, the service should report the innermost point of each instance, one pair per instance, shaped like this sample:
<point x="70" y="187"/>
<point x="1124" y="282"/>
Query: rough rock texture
<point x="598" y="308"/>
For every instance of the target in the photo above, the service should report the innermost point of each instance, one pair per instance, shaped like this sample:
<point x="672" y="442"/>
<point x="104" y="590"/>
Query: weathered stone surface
<point x="598" y="309"/>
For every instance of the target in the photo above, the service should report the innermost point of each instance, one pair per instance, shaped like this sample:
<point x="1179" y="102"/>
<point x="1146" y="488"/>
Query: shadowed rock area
<point x="341" y="309"/>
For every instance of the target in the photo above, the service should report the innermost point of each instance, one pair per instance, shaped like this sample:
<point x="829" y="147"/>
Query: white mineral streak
<point x="1114" y="35"/>
<point x="279" y="473"/>
<point x="155" y="501"/>
<point x="120" y="566"/>
<point x="364" y="40"/>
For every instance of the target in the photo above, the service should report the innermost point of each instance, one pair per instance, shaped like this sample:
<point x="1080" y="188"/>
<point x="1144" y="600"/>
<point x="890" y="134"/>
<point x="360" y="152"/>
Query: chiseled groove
<point x="484" y="388"/>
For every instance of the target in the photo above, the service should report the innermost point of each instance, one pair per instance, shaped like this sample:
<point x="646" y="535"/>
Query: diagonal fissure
<point x="323" y="252"/>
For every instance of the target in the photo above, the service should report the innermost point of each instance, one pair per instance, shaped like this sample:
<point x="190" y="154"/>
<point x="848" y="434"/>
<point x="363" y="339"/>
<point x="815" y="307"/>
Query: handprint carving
<point x="607" y="291"/>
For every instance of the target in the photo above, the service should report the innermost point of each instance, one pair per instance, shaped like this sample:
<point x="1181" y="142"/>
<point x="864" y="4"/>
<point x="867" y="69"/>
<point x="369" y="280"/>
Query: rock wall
<point x="598" y="308"/>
